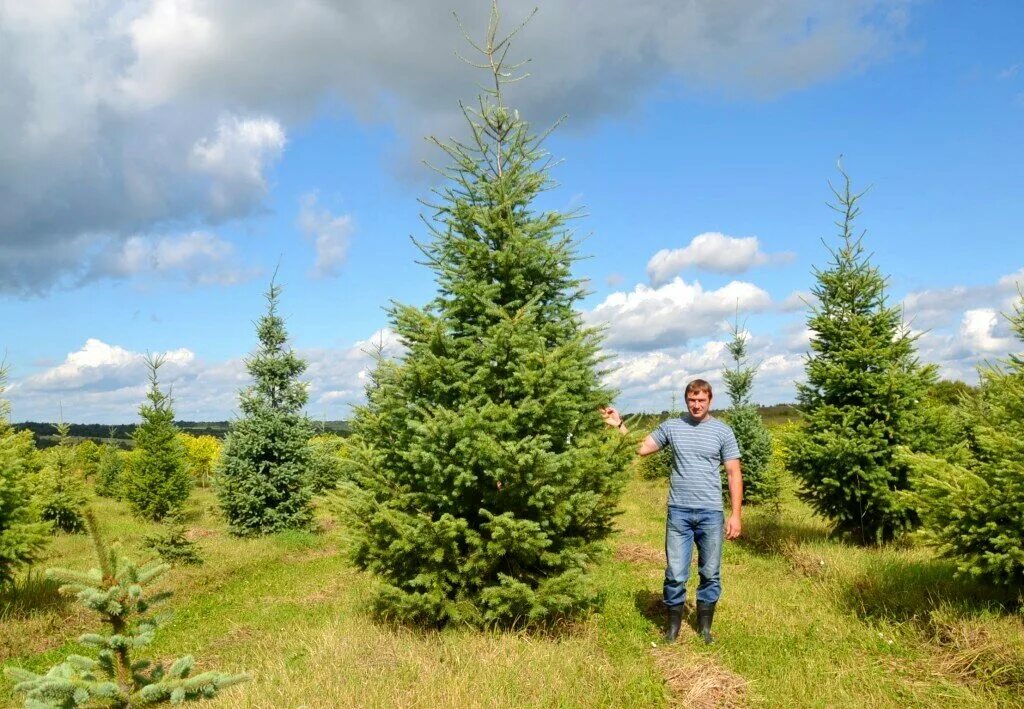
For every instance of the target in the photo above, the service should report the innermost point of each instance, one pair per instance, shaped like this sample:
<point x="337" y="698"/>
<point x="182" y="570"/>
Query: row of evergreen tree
<point x="480" y="480"/>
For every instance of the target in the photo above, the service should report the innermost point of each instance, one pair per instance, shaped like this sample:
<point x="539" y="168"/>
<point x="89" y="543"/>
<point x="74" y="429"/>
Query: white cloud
<point x="796" y="301"/>
<point x="104" y="382"/>
<point x="330" y="235"/>
<point x="235" y="160"/>
<point x="163" y="111"/>
<point x="711" y="251"/>
<point x="197" y="258"/>
<point x="673" y="314"/>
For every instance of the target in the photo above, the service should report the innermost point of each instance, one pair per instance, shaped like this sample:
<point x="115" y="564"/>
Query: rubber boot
<point x="675" y="622"/>
<point x="705" y="614"/>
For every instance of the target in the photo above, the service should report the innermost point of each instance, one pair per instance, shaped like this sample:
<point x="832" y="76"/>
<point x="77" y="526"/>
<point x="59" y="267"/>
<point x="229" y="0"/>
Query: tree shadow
<point x="767" y="535"/>
<point x="904" y="590"/>
<point x="30" y="594"/>
<point x="649" y="604"/>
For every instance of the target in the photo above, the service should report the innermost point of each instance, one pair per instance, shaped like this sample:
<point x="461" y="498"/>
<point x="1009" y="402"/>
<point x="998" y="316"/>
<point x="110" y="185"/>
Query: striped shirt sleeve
<point x="660" y="436"/>
<point x="730" y="448"/>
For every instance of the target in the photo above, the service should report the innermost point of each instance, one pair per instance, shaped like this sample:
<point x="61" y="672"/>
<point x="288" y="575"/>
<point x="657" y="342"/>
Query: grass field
<point x="805" y="620"/>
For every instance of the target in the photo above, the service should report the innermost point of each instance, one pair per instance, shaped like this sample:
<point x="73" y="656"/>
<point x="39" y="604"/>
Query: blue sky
<point x="161" y="158"/>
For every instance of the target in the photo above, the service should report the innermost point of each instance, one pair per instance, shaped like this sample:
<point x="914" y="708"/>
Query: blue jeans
<point x="685" y="527"/>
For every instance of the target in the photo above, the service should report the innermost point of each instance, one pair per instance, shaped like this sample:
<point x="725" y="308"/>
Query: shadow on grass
<point x="30" y="594"/>
<point x="766" y="535"/>
<point x="904" y="590"/>
<point x="649" y="604"/>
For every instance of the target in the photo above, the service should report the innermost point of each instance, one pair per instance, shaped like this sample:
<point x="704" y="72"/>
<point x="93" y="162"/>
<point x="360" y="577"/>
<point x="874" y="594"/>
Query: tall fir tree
<point x="751" y="434"/>
<point x="971" y="499"/>
<point x="157" y="484"/>
<point x="262" y="480"/>
<point x="482" y="479"/>
<point x="22" y="534"/>
<point x="863" y="393"/>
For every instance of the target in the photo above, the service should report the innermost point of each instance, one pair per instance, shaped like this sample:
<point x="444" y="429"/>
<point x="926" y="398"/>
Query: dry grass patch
<point x="639" y="554"/>
<point x="698" y="682"/>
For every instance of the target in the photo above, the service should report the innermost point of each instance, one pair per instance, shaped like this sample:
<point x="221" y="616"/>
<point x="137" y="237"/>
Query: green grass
<point x="805" y="620"/>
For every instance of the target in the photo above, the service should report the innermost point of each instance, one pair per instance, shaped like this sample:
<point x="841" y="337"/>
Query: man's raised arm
<point x="613" y="419"/>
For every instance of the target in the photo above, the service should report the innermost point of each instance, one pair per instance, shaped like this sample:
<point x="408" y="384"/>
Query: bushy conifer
<point x="326" y="464"/>
<point x="202" y="454"/>
<point x="109" y="470"/>
<point x="971" y="499"/>
<point x="483" y="477"/>
<point x="863" y="394"/>
<point x="119" y="592"/>
<point x="22" y="534"/>
<point x="263" y="480"/>
<point x="157" y="483"/>
<point x="752" y="435"/>
<point x="58" y="489"/>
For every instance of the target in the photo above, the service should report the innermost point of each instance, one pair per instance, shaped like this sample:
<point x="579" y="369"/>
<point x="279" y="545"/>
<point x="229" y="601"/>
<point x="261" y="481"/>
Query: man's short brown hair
<point x="698" y="386"/>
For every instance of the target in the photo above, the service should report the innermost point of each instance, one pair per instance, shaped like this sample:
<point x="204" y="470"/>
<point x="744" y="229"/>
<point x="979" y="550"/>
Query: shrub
<point x="971" y="500"/>
<point x="58" y="491"/>
<point x="22" y="534"/>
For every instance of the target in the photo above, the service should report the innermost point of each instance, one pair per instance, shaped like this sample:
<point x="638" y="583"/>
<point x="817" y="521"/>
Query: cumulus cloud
<point x="711" y="251"/>
<point x="104" y="382"/>
<point x="197" y="258"/>
<point x="330" y="235"/>
<point x="673" y="314"/>
<point x="940" y="307"/>
<point x="162" y="111"/>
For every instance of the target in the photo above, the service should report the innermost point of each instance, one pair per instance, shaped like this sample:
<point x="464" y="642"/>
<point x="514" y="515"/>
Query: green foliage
<point x="752" y="435"/>
<point x="262" y="481"/>
<point x="59" y="492"/>
<point x="657" y="466"/>
<point x="157" y="483"/>
<point x="202" y="454"/>
<point x="172" y="545"/>
<point x="862" y="397"/>
<point x="951" y="392"/>
<point x="109" y="469"/>
<point x="117" y="592"/>
<point x="326" y="463"/>
<point x="22" y="535"/>
<point x="86" y="458"/>
<point x="483" y="478"/>
<point x="971" y="499"/>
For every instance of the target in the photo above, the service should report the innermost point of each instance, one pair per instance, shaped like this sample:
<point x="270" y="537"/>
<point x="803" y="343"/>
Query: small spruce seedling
<point x="117" y="592"/>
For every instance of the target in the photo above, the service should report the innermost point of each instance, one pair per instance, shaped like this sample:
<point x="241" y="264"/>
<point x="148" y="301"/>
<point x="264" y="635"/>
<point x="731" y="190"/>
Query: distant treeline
<point x="773" y="415"/>
<point x="121" y="434"/>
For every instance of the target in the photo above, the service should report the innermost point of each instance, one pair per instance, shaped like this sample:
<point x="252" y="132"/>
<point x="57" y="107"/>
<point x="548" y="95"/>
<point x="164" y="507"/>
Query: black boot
<point x="705" y="614"/>
<point x="675" y="621"/>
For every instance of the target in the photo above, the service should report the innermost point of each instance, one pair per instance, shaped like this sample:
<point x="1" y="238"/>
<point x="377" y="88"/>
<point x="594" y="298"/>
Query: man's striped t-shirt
<point x="698" y="450"/>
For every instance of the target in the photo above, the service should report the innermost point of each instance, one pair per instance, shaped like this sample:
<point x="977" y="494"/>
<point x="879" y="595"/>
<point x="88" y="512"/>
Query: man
<point x="700" y="445"/>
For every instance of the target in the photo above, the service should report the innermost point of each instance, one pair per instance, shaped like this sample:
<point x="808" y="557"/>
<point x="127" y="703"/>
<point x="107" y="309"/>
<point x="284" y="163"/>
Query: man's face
<point x="698" y="403"/>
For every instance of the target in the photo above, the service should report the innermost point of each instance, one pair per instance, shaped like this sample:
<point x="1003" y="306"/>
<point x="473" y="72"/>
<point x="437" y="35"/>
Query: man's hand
<point x="733" y="527"/>
<point x="612" y="417"/>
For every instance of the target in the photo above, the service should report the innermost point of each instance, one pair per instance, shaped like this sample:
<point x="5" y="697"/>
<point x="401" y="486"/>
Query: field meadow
<point x="805" y="620"/>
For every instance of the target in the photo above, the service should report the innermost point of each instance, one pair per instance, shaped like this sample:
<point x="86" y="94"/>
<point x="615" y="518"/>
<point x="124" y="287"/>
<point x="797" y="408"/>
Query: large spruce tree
<point x="751" y="434"/>
<point x="971" y="499"/>
<point x="483" y="478"/>
<point x="158" y="484"/>
<point x="262" y="479"/>
<point x="22" y="534"/>
<point x="863" y="394"/>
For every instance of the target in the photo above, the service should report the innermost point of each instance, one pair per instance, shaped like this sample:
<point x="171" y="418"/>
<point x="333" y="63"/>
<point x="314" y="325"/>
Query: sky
<point x="160" y="159"/>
